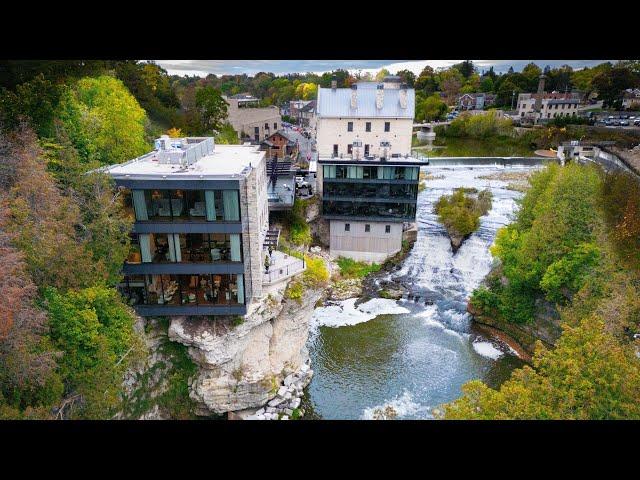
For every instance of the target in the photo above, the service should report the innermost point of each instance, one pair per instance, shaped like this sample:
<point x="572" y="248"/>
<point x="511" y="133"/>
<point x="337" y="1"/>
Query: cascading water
<point x="401" y="359"/>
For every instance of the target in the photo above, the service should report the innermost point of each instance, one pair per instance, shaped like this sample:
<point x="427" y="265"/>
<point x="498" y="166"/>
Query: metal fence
<point x="277" y="273"/>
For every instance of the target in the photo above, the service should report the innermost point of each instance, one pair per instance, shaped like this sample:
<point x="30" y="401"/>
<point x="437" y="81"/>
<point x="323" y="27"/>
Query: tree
<point x="431" y="108"/>
<point x="466" y="68"/>
<point x="34" y="101"/>
<point x="227" y="135"/>
<point x="450" y="82"/>
<point x="212" y="108"/>
<point x="427" y="81"/>
<point x="29" y="383"/>
<point x="486" y="85"/>
<point x="611" y="84"/>
<point x="103" y="120"/>
<point x="43" y="222"/>
<point x="381" y="74"/>
<point x="174" y="132"/>
<point x="407" y="77"/>
<point x="589" y="375"/>
<point x="95" y="331"/>
<point x="532" y="73"/>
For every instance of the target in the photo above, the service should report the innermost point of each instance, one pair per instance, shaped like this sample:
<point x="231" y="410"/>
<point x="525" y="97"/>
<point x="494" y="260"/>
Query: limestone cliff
<point x="242" y="365"/>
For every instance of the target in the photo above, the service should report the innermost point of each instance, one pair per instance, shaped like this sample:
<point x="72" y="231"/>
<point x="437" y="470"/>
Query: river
<point x="410" y="355"/>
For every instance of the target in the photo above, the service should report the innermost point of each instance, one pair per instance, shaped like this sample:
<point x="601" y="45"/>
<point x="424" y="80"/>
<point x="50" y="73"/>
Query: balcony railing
<point x="282" y="266"/>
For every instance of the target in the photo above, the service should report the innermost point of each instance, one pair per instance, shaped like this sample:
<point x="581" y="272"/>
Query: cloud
<point x="251" y="67"/>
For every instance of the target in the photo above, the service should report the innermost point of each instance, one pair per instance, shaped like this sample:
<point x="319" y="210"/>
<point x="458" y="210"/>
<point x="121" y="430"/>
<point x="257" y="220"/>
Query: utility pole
<point x="513" y="97"/>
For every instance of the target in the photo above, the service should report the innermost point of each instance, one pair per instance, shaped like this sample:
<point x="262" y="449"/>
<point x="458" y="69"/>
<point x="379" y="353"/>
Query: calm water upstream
<point x="406" y="354"/>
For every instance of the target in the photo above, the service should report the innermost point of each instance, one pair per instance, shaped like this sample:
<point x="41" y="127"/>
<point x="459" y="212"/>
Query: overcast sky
<point x="251" y="67"/>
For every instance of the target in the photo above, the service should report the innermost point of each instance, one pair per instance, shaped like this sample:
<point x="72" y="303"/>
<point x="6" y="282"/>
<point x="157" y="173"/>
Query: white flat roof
<point x="226" y="161"/>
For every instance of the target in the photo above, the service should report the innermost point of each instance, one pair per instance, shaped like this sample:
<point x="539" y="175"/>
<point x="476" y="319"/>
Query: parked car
<point x="636" y="122"/>
<point x="624" y="123"/>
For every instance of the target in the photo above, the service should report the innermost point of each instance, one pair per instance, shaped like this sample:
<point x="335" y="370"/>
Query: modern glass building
<point x="367" y="203"/>
<point x="201" y="216"/>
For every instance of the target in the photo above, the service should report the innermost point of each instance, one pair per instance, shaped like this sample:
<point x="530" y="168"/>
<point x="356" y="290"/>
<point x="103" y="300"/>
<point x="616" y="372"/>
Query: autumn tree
<point x="45" y="224"/>
<point x="29" y="382"/>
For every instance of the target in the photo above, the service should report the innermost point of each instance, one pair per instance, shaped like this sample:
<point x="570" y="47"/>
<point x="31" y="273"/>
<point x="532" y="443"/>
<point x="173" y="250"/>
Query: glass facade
<point x="184" y="205"/>
<point x="208" y="289"/>
<point x="370" y="172"/>
<point x="407" y="191"/>
<point x="185" y="248"/>
<point x="390" y="210"/>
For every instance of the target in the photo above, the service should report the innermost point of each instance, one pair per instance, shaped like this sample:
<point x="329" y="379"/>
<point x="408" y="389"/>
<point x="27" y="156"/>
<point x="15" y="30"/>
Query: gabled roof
<point x="282" y="134"/>
<point x="337" y="103"/>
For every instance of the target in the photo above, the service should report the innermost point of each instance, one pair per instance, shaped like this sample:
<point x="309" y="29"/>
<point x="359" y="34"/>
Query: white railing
<point x="277" y="273"/>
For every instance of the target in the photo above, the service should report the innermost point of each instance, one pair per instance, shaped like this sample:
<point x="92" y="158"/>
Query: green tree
<point x="212" y="107"/>
<point x="431" y="108"/>
<point x="95" y="331"/>
<point x="589" y="375"/>
<point x="381" y="74"/>
<point x="35" y="101"/>
<point x="103" y="120"/>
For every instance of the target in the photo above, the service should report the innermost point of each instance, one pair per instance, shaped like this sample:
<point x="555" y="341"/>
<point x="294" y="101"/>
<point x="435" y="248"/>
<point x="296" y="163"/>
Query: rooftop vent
<point x="183" y="151"/>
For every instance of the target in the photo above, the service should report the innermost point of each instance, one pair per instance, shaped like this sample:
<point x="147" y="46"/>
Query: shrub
<point x="316" y="273"/>
<point x="353" y="269"/>
<point x="294" y="291"/>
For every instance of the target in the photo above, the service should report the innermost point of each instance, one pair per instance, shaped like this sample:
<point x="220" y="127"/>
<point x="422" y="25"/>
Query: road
<point x="304" y="143"/>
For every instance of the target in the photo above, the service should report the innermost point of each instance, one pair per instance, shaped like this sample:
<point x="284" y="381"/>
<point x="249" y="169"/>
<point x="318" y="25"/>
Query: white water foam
<point x="394" y="409"/>
<point x="346" y="313"/>
<point x="486" y="349"/>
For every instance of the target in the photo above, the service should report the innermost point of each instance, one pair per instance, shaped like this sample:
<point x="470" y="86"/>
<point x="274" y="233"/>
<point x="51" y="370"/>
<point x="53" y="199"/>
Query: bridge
<point x="430" y="125"/>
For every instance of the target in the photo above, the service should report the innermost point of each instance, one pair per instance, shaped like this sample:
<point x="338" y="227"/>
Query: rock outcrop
<point x="242" y="365"/>
<point x="545" y="328"/>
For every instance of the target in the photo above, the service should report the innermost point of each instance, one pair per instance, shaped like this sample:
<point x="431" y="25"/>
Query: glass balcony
<point x="184" y="205"/>
<point x="185" y="248"/>
<point x="176" y="290"/>
<point x="386" y="210"/>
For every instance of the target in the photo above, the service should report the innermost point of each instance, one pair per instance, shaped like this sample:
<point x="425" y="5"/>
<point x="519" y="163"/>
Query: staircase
<point x="271" y="239"/>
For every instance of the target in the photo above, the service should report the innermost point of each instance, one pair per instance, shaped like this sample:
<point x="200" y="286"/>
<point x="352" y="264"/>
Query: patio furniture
<point x="192" y="298"/>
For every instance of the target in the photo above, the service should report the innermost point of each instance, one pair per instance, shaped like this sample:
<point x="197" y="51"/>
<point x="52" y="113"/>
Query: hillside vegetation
<point x="574" y="248"/>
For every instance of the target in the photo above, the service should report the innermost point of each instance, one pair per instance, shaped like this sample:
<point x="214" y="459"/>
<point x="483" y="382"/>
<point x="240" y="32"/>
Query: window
<point x="335" y="150"/>
<point x="367" y="228"/>
<point x="367" y="127"/>
<point x="275" y="126"/>
<point x="387" y="229"/>
<point x="166" y="289"/>
<point x="347" y="227"/>
<point x="387" y="126"/>
<point x="349" y="126"/>
<point x="350" y="149"/>
<point x="266" y="126"/>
